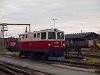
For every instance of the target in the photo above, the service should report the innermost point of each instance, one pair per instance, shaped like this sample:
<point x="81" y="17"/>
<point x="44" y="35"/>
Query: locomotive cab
<point x="56" y="45"/>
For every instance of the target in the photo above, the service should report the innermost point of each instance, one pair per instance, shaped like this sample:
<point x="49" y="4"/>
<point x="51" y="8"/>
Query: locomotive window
<point x="26" y="36"/>
<point x="51" y="35"/>
<point x="60" y="35"/>
<point x="19" y="37"/>
<point x="43" y="35"/>
<point x="23" y="37"/>
<point x="38" y="35"/>
<point x="34" y="35"/>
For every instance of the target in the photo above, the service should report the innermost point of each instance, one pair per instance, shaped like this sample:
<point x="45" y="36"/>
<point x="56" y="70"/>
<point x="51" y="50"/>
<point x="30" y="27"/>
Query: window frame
<point x="38" y="35"/>
<point x="26" y="36"/>
<point x="42" y="36"/>
<point x="34" y="35"/>
<point x="23" y="36"/>
<point x="50" y="36"/>
<point x="60" y="35"/>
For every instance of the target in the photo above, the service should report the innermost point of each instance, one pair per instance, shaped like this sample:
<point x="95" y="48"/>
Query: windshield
<point x="60" y="35"/>
<point x="51" y="35"/>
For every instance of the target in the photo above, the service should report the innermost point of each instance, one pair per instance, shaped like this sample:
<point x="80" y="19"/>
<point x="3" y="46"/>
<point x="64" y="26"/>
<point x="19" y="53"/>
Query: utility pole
<point x="54" y="22"/>
<point x="81" y="31"/>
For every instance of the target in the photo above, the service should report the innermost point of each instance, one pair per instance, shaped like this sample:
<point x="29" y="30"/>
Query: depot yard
<point x="89" y="62"/>
<point x="91" y="59"/>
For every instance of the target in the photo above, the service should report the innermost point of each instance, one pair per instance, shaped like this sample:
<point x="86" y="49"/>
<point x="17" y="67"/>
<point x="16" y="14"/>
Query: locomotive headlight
<point x="49" y="44"/>
<point x="63" y="44"/>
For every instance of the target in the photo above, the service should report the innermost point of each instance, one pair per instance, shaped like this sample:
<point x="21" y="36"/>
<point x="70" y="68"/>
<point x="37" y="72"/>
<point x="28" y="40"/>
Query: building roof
<point x="79" y="35"/>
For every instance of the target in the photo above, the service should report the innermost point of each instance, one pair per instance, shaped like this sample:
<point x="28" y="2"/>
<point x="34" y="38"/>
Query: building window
<point x="43" y="35"/>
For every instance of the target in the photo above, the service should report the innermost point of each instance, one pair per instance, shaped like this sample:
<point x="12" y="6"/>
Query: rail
<point x="18" y="70"/>
<point x="12" y="70"/>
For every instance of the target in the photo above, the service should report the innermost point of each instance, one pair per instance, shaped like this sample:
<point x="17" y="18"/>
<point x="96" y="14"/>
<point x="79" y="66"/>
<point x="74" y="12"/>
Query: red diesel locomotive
<point x="46" y="44"/>
<point x="11" y="44"/>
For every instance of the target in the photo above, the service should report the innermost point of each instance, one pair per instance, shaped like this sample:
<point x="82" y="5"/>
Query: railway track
<point x="55" y="63"/>
<point x="18" y="70"/>
<point x="64" y="62"/>
<point x="12" y="70"/>
<point x="71" y="62"/>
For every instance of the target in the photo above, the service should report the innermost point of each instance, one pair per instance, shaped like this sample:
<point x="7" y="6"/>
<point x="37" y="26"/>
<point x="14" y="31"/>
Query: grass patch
<point x="14" y="54"/>
<point x="2" y="52"/>
<point x="85" y="49"/>
<point x="94" y="60"/>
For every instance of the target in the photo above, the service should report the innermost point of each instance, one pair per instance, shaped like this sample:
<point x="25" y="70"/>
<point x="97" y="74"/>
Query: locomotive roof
<point x="52" y="29"/>
<point x="45" y="30"/>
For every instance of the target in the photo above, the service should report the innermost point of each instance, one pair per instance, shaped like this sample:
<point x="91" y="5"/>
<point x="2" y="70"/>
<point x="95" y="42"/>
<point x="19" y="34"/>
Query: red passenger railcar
<point x="48" y="43"/>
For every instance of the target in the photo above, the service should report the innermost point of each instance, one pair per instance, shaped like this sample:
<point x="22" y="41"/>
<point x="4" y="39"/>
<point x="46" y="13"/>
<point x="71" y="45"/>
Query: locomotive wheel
<point x="44" y="56"/>
<point x="26" y="55"/>
<point x="32" y="54"/>
<point x="23" y="53"/>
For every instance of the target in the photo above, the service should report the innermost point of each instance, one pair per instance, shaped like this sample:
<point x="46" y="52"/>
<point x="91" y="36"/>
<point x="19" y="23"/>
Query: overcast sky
<point x="72" y="15"/>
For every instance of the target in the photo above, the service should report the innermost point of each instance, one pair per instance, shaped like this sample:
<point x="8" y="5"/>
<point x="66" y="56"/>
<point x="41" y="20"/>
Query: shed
<point x="81" y="39"/>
